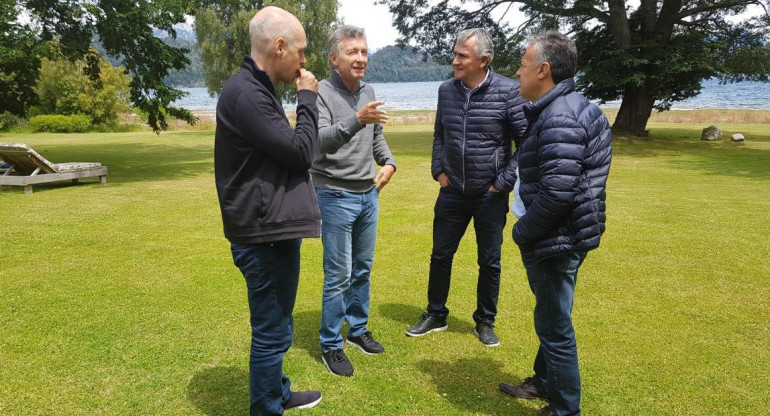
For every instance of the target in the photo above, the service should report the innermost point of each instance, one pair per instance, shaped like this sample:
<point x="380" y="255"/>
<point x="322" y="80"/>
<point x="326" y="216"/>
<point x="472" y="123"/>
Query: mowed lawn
<point x="122" y="299"/>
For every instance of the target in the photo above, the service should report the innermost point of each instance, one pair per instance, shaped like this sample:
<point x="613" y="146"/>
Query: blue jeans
<point x="349" y="234"/>
<point x="552" y="281"/>
<point x="452" y="214"/>
<point x="272" y="273"/>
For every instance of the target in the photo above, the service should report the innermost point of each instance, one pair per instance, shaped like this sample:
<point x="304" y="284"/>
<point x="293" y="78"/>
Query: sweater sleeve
<point x="380" y="149"/>
<point x="258" y="121"/>
<point x="560" y="149"/>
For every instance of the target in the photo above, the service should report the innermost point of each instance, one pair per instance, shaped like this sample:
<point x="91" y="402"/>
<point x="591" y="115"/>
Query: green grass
<point x="123" y="299"/>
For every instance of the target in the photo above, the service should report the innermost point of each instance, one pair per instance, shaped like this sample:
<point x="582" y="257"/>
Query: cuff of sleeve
<point x="306" y="97"/>
<point x="354" y="126"/>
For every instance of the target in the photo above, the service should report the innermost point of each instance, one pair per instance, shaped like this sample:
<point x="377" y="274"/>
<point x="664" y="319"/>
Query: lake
<point x="423" y="96"/>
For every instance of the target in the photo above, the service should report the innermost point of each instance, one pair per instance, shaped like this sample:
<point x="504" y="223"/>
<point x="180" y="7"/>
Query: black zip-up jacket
<point x="261" y="164"/>
<point x="474" y="134"/>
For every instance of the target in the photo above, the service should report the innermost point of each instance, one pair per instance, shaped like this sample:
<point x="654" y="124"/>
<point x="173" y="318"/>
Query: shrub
<point x="57" y="123"/>
<point x="10" y="121"/>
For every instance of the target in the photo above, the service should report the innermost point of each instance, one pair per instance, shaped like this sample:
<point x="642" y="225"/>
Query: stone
<point x="737" y="137"/>
<point x="711" y="133"/>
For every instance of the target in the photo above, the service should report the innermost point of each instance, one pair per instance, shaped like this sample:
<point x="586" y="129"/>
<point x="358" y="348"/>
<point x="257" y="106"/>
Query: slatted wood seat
<point x="29" y="168"/>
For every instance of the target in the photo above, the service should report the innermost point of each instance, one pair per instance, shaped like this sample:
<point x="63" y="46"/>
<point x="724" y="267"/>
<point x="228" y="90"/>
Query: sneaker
<point x="337" y="363"/>
<point x="546" y="411"/>
<point x="486" y="333"/>
<point x="303" y="400"/>
<point x="366" y="343"/>
<point x="426" y="325"/>
<point x="526" y="390"/>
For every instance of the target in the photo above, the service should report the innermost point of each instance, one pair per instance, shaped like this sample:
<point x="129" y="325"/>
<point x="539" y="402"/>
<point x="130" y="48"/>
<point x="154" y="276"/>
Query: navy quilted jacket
<point x="474" y="132"/>
<point x="563" y="166"/>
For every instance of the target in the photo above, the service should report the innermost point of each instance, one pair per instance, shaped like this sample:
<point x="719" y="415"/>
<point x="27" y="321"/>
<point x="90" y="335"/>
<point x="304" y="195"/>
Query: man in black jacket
<point x="478" y="121"/>
<point x="266" y="197"/>
<point x="563" y="167"/>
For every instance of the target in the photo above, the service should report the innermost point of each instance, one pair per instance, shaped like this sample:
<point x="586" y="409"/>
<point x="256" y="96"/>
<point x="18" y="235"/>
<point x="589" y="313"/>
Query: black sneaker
<point x="426" y="325"/>
<point x="303" y="400"/>
<point x="337" y="363"/>
<point x="546" y="411"/>
<point x="366" y="343"/>
<point x="486" y="333"/>
<point x="526" y="390"/>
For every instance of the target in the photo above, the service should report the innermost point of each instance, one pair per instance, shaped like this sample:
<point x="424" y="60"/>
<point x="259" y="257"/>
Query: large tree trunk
<point x="635" y="110"/>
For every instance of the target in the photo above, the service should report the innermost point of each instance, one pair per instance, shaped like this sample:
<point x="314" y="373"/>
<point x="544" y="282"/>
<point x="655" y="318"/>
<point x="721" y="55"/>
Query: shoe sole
<point x="362" y="348"/>
<point x="323" y="360"/>
<point x="412" y="334"/>
<point x="307" y="406"/>
<point x="482" y="342"/>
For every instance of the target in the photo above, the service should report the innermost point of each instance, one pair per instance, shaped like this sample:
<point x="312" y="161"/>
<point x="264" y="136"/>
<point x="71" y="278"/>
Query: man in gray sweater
<point x="350" y="140"/>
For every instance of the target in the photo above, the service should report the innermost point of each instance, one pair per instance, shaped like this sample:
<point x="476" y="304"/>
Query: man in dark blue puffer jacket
<point x="563" y="167"/>
<point x="479" y="119"/>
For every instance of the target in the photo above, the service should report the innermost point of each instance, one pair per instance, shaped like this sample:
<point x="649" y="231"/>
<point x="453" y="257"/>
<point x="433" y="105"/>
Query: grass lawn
<point x="122" y="299"/>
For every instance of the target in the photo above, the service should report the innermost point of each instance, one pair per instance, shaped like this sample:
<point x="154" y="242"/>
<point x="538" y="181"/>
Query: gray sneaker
<point x="486" y="333"/>
<point x="426" y="325"/>
<point x="337" y="363"/>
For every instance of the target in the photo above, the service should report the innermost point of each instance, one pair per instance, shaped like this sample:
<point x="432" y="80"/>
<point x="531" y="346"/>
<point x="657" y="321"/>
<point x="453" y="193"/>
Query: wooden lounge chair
<point x="28" y="168"/>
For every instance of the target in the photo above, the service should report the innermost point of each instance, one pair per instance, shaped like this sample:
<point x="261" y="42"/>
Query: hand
<point x="306" y="81"/>
<point x="369" y="113"/>
<point x="493" y="189"/>
<point x="383" y="176"/>
<point x="443" y="180"/>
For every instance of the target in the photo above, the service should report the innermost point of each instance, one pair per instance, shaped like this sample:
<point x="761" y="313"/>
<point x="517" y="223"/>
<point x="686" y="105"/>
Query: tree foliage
<point x="222" y="29"/>
<point x="125" y="28"/>
<point x="66" y="87"/>
<point x="393" y="64"/>
<point x="650" y="53"/>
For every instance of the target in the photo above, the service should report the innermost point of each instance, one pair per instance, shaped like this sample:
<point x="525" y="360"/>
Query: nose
<point x="455" y="61"/>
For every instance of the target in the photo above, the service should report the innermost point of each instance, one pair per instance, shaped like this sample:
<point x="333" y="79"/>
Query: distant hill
<point x="392" y="64"/>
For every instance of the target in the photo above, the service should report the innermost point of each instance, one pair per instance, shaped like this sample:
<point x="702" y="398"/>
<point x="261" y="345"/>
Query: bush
<point x="10" y="121"/>
<point x="57" y="123"/>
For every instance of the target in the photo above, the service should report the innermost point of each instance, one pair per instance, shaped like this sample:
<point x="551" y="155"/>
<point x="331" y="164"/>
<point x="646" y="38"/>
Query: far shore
<point x="706" y="116"/>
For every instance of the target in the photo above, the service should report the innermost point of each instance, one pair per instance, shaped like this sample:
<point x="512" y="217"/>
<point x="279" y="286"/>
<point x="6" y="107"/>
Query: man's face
<point x="351" y="60"/>
<point x="466" y="63"/>
<point x="528" y="75"/>
<point x="293" y="58"/>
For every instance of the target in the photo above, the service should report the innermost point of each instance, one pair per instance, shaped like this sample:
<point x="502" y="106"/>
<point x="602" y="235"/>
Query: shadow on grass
<point x="220" y="391"/>
<point x="410" y="314"/>
<point x="306" y="325"/>
<point x="466" y="382"/>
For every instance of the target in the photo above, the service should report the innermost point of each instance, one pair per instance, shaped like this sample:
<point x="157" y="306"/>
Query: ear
<point x="333" y="59"/>
<point x="484" y="61"/>
<point x="543" y="70"/>
<point x="280" y="46"/>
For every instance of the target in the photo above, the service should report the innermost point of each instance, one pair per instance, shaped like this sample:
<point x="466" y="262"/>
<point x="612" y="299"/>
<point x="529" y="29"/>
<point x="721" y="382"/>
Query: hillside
<point x="391" y="64"/>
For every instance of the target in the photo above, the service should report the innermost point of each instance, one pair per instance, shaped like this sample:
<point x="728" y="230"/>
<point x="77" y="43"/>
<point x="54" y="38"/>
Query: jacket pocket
<point x="265" y="198"/>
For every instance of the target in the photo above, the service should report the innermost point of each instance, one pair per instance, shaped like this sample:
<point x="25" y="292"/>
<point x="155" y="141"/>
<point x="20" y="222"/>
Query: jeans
<point x="552" y="281"/>
<point x="452" y="214"/>
<point x="271" y="271"/>
<point x="349" y="235"/>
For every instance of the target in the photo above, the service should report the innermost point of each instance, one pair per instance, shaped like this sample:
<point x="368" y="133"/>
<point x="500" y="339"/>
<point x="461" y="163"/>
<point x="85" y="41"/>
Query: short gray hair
<point x="484" y="45"/>
<point x="341" y="33"/>
<point x="559" y="51"/>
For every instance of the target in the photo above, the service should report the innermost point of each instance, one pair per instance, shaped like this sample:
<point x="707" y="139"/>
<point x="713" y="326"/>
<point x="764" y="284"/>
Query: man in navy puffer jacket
<point x="563" y="167"/>
<point x="479" y="119"/>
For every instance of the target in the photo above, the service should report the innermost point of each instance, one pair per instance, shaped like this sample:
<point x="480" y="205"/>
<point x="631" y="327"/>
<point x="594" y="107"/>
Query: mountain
<point x="392" y="64"/>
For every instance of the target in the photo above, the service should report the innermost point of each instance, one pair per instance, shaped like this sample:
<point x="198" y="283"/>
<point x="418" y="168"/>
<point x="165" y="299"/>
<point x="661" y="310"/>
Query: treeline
<point x="392" y="64"/>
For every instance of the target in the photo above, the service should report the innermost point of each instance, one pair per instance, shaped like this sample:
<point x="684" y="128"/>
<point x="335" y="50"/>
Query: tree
<point x="19" y="62"/>
<point x="65" y="87"/>
<point x="125" y="28"/>
<point x="222" y="29"/>
<point x="650" y="55"/>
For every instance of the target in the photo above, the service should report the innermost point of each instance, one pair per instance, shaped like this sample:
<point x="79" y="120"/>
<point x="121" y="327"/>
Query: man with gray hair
<point x="563" y="163"/>
<point x="266" y="197"/>
<point x="350" y="141"/>
<point x="478" y="121"/>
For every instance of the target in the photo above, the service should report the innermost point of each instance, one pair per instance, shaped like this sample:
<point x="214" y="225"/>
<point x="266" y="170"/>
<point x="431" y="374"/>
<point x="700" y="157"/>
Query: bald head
<point x="269" y="25"/>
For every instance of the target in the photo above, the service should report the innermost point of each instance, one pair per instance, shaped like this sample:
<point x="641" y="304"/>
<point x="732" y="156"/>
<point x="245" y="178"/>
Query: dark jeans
<point x="272" y="274"/>
<point x="452" y="213"/>
<point x="552" y="281"/>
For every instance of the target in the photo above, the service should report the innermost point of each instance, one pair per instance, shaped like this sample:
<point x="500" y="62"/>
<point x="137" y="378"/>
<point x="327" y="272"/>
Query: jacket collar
<point x="259" y="75"/>
<point x="532" y="110"/>
<point x="336" y="81"/>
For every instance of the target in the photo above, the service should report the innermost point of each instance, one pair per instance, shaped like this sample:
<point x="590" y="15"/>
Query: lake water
<point x="423" y="96"/>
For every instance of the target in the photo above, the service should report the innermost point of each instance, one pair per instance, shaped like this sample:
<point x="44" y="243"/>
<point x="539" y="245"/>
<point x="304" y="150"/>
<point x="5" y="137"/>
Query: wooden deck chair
<point x="28" y="167"/>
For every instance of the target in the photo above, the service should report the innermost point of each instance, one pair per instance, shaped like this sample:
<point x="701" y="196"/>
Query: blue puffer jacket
<point x="474" y="131"/>
<point x="563" y="166"/>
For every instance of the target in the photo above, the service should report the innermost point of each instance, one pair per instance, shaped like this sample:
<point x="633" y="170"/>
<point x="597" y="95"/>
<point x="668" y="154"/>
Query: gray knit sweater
<point x="346" y="152"/>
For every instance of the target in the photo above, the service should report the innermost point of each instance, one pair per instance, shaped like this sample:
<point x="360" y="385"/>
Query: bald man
<point x="266" y="197"/>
